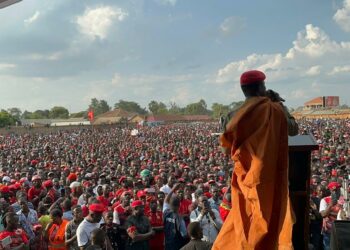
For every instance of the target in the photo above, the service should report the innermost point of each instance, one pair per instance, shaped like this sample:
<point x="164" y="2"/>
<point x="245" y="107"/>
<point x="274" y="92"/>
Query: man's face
<point x="215" y="192"/>
<point x="96" y="217"/>
<point x="171" y="180"/>
<point x="262" y="90"/>
<point x="78" y="213"/>
<point x="24" y="205"/>
<point x="37" y="183"/>
<point x="203" y="202"/>
<point x="161" y="197"/>
<point x="139" y="210"/>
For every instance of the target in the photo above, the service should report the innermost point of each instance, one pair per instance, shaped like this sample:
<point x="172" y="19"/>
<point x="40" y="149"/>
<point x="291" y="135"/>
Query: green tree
<point x="78" y="115"/>
<point x="6" y="119"/>
<point x="219" y="109"/>
<point x="15" y="112"/>
<point x="197" y="108"/>
<point x="175" y="109"/>
<point x="41" y="114"/>
<point x="99" y="106"/>
<point x="59" y="113"/>
<point x="235" y="105"/>
<point x="130" y="107"/>
<point x="157" y="108"/>
<point x="26" y="115"/>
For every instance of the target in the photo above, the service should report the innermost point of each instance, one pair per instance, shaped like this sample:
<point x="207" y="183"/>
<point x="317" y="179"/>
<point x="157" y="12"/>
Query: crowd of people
<point x="165" y="187"/>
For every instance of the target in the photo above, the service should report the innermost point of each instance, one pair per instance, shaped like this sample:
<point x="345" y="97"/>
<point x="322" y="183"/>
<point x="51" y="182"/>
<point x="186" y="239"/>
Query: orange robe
<point x="261" y="217"/>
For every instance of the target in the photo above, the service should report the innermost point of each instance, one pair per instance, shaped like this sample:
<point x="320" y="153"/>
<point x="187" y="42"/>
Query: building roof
<point x="49" y="121"/>
<point x="174" y="118"/>
<point x="315" y="101"/>
<point x="117" y="113"/>
<point x="165" y="118"/>
<point x="197" y="117"/>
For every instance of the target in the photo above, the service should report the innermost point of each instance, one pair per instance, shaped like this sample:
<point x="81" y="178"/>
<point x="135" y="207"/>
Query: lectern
<point x="300" y="148"/>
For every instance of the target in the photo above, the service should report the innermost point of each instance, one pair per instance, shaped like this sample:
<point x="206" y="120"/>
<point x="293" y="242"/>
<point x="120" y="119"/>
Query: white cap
<point x="6" y="178"/>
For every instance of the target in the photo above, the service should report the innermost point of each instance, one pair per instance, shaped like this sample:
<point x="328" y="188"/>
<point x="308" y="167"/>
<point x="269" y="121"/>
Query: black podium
<point x="300" y="148"/>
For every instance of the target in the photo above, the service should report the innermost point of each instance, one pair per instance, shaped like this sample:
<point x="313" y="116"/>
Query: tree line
<point x="10" y="116"/>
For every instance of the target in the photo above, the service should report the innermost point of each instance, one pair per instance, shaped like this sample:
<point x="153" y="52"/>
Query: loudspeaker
<point x="340" y="235"/>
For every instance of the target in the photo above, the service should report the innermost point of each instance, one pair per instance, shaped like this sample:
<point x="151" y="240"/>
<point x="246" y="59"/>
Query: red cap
<point x="141" y="193"/>
<point x="72" y="177"/>
<point x="333" y="185"/>
<point x="181" y="180"/>
<point x="48" y="183"/>
<point x="36" y="177"/>
<point x="5" y="190"/>
<point x="121" y="179"/>
<point x="97" y="208"/>
<point x="252" y="76"/>
<point x="136" y="203"/>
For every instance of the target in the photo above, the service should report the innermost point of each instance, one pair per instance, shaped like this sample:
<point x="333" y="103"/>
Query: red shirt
<point x="17" y="237"/>
<point x="184" y="207"/>
<point x="104" y="201"/>
<point x="224" y="210"/>
<point x="156" y="220"/>
<point x="33" y="193"/>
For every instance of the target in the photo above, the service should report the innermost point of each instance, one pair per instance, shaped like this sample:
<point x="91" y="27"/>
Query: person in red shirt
<point x="156" y="219"/>
<point x="125" y="186"/>
<point x="18" y="238"/>
<point x="37" y="192"/>
<point x="51" y="192"/>
<point x="76" y="191"/>
<point x="105" y="198"/>
<point x="184" y="206"/>
<point x="121" y="214"/>
<point x="225" y="206"/>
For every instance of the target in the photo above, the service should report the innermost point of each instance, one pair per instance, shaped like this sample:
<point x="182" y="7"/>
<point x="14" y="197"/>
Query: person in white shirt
<point x="208" y="218"/>
<point x="91" y="222"/>
<point x="167" y="187"/>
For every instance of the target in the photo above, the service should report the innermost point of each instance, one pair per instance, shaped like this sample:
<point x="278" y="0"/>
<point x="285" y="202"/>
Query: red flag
<point x="91" y="115"/>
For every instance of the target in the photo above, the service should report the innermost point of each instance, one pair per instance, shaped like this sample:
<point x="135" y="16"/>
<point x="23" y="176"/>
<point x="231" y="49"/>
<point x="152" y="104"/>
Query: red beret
<point x="5" y="190"/>
<point x="48" y="183"/>
<point x="136" y="203"/>
<point x="333" y="185"/>
<point x="141" y="193"/>
<point x="72" y="177"/>
<point x="252" y="76"/>
<point x="181" y="180"/>
<point x="97" y="208"/>
<point x="36" y="177"/>
<point x="121" y="179"/>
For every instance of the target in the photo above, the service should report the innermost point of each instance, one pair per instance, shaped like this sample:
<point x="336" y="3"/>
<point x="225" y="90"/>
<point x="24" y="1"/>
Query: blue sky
<point x="64" y="52"/>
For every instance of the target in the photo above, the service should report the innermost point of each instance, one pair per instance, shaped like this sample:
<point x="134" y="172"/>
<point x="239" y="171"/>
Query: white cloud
<point x="96" y="23"/>
<point x="33" y="18"/>
<point x="167" y="2"/>
<point x="231" y="25"/>
<point x="313" y="71"/>
<point x="299" y="93"/>
<point x="44" y="57"/>
<point x="5" y="66"/>
<point x="311" y="47"/>
<point x="340" y="69"/>
<point x="342" y="16"/>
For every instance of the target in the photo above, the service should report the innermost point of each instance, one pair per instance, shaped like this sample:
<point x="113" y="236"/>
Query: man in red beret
<point x="123" y="181"/>
<point x="138" y="227"/>
<point x="329" y="209"/>
<point x="91" y="222"/>
<point x="256" y="138"/>
<point x="37" y="191"/>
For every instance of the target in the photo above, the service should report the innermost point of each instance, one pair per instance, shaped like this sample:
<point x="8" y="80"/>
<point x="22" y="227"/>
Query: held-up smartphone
<point x="6" y="242"/>
<point x="334" y="198"/>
